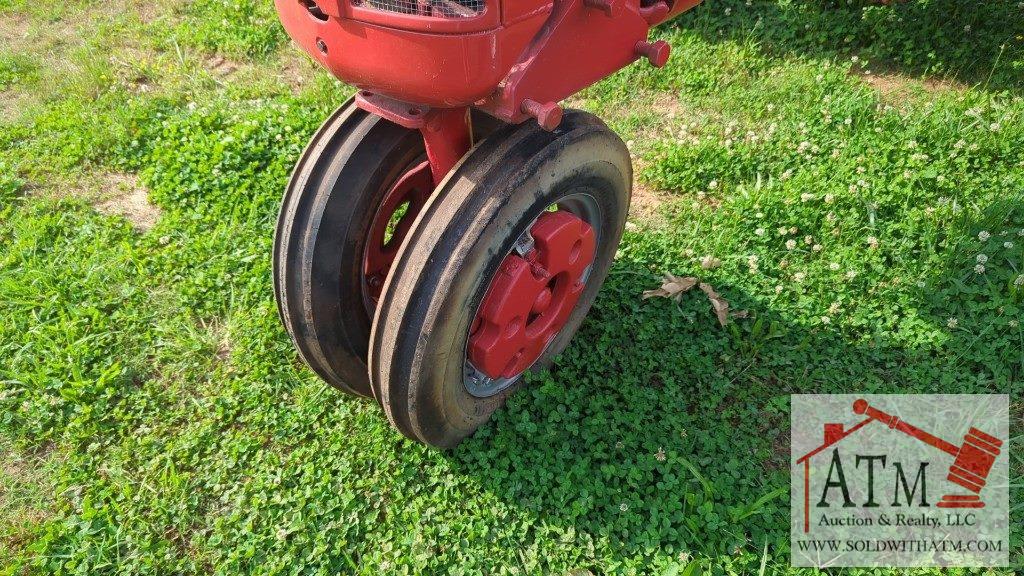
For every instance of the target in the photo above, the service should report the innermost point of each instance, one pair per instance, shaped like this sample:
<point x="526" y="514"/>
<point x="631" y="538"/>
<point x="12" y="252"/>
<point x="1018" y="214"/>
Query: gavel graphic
<point x="973" y="460"/>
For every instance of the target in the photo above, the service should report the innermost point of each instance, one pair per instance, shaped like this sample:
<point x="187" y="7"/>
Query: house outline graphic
<point x="834" y="434"/>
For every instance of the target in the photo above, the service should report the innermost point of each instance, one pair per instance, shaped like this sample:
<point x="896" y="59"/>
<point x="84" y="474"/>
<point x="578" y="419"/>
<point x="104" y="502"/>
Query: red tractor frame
<point x="512" y="59"/>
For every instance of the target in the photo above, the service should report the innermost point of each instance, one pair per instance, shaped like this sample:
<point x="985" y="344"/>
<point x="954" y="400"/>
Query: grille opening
<point x="314" y="10"/>
<point x="443" y="9"/>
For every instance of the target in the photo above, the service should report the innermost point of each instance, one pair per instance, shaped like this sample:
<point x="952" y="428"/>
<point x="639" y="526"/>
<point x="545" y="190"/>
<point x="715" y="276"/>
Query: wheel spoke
<point x="411" y="191"/>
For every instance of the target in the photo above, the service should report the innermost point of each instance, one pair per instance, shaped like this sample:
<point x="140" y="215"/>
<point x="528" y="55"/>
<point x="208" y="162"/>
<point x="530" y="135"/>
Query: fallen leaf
<point x="672" y="287"/>
<point x="675" y="286"/>
<point x="720" y="304"/>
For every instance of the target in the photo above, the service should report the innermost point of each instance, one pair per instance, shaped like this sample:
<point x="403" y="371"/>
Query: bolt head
<point x="656" y="52"/>
<point x="550" y="116"/>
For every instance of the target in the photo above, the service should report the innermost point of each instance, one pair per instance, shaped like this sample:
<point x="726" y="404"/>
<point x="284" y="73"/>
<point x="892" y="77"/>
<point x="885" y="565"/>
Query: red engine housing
<point x="495" y="55"/>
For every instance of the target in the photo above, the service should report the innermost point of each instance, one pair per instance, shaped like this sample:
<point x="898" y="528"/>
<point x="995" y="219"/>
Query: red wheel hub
<point x="532" y="295"/>
<point x="412" y="191"/>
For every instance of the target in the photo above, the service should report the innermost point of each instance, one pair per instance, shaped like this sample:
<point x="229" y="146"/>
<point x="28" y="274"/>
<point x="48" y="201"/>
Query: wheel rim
<point x="391" y="224"/>
<point x="532" y="295"/>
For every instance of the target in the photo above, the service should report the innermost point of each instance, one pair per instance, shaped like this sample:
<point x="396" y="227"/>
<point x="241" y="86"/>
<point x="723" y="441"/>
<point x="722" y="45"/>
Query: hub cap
<point x="410" y="191"/>
<point x="530" y="298"/>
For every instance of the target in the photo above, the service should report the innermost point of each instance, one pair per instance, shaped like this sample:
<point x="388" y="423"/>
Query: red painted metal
<point x="411" y="116"/>
<point x="530" y="298"/>
<point x="609" y="7"/>
<point x="447" y="132"/>
<point x="657" y="53"/>
<point x="411" y="190"/>
<point x="430" y="62"/>
<point x="448" y="135"/>
<point x="507" y="55"/>
<point x="578" y="45"/>
<point x="549" y="115"/>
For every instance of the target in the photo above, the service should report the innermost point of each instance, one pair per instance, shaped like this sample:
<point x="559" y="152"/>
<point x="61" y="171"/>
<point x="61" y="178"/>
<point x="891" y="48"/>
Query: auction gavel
<point x="973" y="460"/>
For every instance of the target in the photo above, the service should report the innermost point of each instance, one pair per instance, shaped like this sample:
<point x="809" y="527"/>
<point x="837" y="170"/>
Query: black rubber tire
<point x="329" y="206"/>
<point x="420" y="328"/>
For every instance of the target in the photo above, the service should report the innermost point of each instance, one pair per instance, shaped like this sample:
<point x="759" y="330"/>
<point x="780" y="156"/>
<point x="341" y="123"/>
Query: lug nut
<point x="549" y="115"/>
<point x="657" y="53"/>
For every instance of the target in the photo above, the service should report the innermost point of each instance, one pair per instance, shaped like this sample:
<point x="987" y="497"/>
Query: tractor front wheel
<point x="497" y="274"/>
<point x="351" y="199"/>
<point x="350" y="203"/>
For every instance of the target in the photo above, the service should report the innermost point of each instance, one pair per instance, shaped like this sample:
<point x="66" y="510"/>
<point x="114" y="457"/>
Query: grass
<point x="845" y="165"/>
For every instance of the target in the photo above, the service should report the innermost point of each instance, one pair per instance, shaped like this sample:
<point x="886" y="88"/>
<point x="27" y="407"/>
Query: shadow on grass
<point x="659" y="431"/>
<point x="972" y="42"/>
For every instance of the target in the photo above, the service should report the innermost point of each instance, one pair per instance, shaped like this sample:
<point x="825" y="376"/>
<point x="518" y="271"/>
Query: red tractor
<point x="449" y="227"/>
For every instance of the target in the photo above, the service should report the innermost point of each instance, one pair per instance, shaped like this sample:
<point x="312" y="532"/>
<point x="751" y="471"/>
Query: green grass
<point x="154" y="418"/>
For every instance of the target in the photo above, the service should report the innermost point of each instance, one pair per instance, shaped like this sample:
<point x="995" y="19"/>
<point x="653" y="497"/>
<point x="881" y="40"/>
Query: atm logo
<point x="972" y="461"/>
<point x="901" y="480"/>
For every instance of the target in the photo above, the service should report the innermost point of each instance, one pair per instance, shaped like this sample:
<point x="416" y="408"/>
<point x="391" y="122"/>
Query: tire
<point x="442" y="272"/>
<point x="320" y="243"/>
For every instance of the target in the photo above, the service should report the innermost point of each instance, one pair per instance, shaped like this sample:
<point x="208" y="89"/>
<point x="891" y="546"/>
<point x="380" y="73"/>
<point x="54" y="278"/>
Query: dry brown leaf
<point x="720" y="304"/>
<point x="675" y="286"/>
<point x="672" y="287"/>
